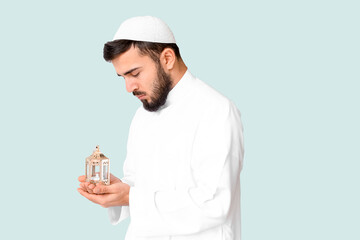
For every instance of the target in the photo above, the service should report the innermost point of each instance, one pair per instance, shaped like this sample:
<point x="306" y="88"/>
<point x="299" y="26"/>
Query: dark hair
<point x="115" y="48"/>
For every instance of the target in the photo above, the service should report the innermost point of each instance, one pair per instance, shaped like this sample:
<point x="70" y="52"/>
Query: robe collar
<point x="181" y="90"/>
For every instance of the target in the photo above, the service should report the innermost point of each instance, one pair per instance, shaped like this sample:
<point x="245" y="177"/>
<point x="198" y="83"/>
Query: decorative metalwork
<point x="97" y="168"/>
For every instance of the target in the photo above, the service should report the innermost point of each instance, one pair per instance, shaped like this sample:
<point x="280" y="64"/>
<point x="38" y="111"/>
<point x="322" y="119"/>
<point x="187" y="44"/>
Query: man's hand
<point x="115" y="194"/>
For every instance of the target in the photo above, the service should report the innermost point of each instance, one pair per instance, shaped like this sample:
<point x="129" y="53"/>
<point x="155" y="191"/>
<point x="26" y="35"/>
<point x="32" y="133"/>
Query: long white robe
<point x="183" y="165"/>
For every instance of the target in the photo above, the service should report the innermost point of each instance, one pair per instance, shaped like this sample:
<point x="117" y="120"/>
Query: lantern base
<point x="98" y="181"/>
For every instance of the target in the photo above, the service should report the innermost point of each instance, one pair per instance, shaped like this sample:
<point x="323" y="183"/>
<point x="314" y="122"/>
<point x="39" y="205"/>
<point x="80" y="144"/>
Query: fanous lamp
<point x="97" y="168"/>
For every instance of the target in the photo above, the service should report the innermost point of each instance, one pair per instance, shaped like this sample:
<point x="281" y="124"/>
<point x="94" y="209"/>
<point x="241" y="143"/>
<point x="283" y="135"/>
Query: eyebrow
<point x="128" y="72"/>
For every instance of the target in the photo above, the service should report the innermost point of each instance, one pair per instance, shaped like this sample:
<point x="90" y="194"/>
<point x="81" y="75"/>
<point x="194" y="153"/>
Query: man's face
<point x="146" y="79"/>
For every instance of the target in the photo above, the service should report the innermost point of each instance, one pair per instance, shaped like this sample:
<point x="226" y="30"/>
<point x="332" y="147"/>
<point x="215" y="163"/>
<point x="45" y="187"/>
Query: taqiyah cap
<point x="146" y="29"/>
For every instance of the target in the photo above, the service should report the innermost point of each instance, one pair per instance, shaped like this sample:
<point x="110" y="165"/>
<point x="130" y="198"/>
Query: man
<point x="185" y="145"/>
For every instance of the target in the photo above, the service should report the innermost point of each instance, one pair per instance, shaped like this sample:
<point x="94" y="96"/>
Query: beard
<point x="160" y="91"/>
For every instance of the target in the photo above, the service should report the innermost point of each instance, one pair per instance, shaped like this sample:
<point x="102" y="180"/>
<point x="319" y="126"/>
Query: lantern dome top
<point x="97" y="154"/>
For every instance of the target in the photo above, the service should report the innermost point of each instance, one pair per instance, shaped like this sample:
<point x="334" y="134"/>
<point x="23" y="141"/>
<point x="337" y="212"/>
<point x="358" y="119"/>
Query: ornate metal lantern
<point x="97" y="168"/>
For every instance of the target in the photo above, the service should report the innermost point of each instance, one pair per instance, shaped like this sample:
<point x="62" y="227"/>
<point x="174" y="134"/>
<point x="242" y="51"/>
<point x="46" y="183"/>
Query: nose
<point x="131" y="85"/>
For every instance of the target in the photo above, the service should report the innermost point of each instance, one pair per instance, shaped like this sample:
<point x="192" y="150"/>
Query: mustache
<point x="138" y="93"/>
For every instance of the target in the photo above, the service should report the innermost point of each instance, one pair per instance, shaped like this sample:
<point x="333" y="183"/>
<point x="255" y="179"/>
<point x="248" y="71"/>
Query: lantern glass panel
<point x="87" y="169"/>
<point x="95" y="174"/>
<point x="105" y="172"/>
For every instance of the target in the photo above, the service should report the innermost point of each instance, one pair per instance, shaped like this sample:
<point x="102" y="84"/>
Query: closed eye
<point x="131" y="72"/>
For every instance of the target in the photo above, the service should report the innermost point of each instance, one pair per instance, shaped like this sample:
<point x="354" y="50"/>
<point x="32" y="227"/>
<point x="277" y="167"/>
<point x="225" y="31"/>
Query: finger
<point x="88" y="187"/>
<point x="92" y="197"/>
<point x="82" y="186"/>
<point x="102" y="189"/>
<point x="113" y="178"/>
<point x="82" y="178"/>
<point x="84" y="193"/>
<point x="113" y="188"/>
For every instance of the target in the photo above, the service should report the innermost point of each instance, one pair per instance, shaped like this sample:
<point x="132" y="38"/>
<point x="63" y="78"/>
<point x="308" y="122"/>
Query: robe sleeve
<point x="119" y="213"/>
<point x="216" y="163"/>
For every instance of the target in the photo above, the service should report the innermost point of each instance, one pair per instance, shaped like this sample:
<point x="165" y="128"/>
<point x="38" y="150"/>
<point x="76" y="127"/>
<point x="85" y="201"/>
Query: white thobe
<point x="183" y="164"/>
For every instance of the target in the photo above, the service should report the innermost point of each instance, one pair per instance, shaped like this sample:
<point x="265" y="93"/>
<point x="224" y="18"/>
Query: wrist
<point x="127" y="195"/>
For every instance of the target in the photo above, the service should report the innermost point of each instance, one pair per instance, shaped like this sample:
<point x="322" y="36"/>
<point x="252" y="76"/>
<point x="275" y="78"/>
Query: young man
<point x="185" y="145"/>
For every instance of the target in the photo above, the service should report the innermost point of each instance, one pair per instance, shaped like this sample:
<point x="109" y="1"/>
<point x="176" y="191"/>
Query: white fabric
<point x="183" y="165"/>
<point x="146" y="29"/>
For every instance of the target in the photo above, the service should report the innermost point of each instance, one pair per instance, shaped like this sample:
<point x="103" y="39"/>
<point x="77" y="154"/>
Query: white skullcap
<point x="145" y="29"/>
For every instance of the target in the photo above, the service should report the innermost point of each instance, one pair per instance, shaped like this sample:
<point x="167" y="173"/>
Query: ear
<point x="168" y="58"/>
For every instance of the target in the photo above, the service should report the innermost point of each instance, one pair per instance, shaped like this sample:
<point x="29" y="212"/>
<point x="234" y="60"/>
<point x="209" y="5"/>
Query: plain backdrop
<point x="291" y="67"/>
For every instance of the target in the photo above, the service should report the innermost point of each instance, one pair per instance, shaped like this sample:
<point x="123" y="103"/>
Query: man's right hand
<point x="115" y="194"/>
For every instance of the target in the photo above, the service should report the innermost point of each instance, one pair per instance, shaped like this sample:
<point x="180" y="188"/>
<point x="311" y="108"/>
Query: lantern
<point x="97" y="168"/>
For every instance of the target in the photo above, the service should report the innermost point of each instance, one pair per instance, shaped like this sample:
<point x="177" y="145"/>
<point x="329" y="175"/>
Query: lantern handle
<point x="97" y="152"/>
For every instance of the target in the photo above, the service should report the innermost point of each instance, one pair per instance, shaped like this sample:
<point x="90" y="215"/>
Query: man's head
<point x="150" y="68"/>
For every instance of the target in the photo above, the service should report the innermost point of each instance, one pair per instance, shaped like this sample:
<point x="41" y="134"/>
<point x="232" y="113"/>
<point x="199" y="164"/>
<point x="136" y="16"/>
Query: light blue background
<point x="291" y="67"/>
